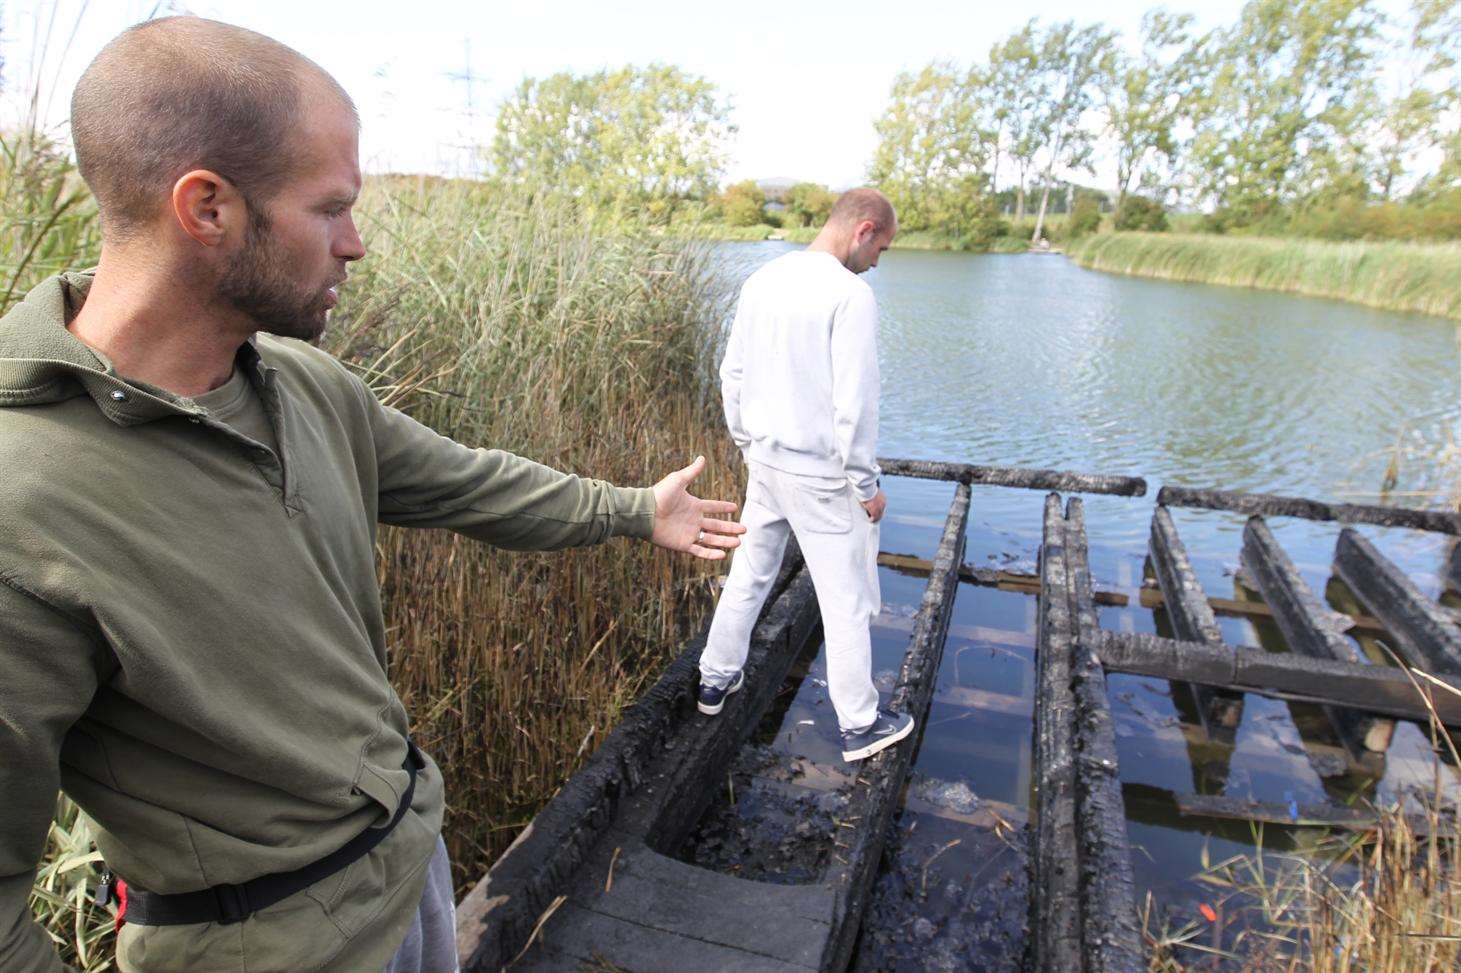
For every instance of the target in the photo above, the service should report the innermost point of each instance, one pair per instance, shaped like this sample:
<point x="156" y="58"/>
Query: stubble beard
<point x="260" y="285"/>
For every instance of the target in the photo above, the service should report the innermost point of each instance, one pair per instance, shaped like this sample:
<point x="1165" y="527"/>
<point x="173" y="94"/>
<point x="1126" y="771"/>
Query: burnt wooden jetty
<point x="594" y="881"/>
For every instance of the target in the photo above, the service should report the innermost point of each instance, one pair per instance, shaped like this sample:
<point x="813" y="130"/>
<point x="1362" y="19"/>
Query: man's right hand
<point x="876" y="506"/>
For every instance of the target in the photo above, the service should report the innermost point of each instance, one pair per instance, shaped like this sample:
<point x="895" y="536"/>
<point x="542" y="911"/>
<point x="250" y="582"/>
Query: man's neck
<point x="833" y="241"/>
<point x="154" y="329"/>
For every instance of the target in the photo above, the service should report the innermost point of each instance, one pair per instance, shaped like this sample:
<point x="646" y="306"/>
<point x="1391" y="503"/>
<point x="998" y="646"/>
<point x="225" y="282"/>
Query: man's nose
<point x="349" y="246"/>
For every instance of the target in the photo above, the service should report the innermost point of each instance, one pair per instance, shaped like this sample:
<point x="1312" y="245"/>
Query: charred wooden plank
<point x="874" y="798"/>
<point x="1193" y="620"/>
<point x="1110" y="932"/>
<point x="1009" y="476"/>
<point x="1055" y="885"/>
<point x="1375" y="689"/>
<point x="1424" y="635"/>
<point x="1269" y="505"/>
<point x="1309" y="628"/>
<point x="497" y="916"/>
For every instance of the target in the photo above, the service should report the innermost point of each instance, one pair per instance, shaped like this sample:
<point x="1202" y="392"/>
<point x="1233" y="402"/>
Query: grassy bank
<point x="509" y="323"/>
<point x="1420" y="277"/>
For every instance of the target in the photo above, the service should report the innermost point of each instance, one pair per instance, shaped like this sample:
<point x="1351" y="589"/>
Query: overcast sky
<point x="805" y="78"/>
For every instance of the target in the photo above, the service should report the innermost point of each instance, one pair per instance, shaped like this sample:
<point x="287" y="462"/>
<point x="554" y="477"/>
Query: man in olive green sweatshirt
<point x="191" y="640"/>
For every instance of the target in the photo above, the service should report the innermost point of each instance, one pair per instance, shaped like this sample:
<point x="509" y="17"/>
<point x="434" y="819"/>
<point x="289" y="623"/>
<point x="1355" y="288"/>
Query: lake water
<point x="1029" y="360"/>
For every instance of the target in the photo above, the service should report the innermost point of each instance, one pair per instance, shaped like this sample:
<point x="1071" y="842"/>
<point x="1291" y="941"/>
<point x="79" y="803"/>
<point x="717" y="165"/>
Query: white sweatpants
<point x="840" y="545"/>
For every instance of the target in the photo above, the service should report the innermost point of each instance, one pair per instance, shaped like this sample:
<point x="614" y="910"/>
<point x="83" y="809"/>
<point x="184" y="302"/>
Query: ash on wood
<point x="1309" y="628"/>
<point x="880" y="778"/>
<point x="1268" y="505"/>
<point x="1375" y="689"/>
<point x="1423" y="634"/>
<point x="1082" y="903"/>
<point x="1218" y="711"/>
<point x="1008" y="476"/>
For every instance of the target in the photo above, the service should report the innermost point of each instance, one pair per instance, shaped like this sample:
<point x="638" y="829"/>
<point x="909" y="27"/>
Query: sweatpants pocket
<point x="822" y="511"/>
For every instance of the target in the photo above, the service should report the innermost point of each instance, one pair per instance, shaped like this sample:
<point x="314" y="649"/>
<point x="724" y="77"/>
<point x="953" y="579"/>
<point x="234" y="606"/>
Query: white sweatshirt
<point x="800" y="375"/>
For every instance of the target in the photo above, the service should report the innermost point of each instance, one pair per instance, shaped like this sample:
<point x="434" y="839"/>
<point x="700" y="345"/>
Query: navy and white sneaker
<point x="712" y="700"/>
<point x="886" y="730"/>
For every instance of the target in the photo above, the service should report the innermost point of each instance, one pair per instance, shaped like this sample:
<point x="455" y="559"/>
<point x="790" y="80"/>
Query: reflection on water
<point x="1032" y="361"/>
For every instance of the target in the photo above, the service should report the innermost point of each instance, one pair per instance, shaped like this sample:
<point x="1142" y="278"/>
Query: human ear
<point x="208" y="207"/>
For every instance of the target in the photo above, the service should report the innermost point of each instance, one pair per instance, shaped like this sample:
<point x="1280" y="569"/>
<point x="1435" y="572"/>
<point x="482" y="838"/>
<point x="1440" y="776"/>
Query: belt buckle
<point x="233" y="904"/>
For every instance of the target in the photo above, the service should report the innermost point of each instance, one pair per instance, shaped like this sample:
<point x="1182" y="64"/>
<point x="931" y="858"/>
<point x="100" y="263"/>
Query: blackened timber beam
<point x="1055" y="925"/>
<point x="497" y="917"/>
<point x="1269" y="505"/>
<point x="1376" y="689"/>
<point x="1110" y="932"/>
<point x="1424" y="636"/>
<point x="1193" y="620"/>
<point x="1309" y="628"/>
<point x="880" y="779"/>
<point x="1012" y="476"/>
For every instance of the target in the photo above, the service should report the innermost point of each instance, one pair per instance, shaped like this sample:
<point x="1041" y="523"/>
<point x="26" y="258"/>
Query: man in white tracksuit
<point x="800" y="388"/>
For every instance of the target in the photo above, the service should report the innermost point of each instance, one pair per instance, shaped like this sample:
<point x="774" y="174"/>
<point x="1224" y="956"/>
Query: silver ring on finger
<point x="700" y="537"/>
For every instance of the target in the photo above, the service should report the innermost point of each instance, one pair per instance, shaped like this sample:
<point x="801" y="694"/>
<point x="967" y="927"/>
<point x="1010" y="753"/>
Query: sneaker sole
<point x="876" y="746"/>
<point x="730" y="691"/>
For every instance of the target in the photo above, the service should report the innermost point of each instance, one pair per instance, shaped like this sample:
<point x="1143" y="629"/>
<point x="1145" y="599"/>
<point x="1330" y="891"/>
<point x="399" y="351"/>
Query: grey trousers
<point x="430" y="945"/>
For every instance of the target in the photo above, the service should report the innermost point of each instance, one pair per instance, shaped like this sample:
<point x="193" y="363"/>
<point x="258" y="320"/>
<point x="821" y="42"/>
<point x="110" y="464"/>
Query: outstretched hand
<point x="684" y="523"/>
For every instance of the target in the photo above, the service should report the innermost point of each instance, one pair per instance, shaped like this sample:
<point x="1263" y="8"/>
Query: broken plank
<point x="1423" y="634"/>
<point x="1309" y="628"/>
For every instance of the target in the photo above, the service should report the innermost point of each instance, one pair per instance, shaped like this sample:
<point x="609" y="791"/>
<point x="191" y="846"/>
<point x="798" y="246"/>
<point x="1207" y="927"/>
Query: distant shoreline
<point x="1423" y="278"/>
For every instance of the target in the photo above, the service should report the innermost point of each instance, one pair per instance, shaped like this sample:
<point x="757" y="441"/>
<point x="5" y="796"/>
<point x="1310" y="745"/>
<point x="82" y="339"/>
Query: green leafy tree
<point x="1434" y="121"/>
<point x="1076" y="64"/>
<point x="930" y="144"/>
<point x="636" y="139"/>
<point x="809" y="204"/>
<point x="1146" y="97"/>
<point x="1283" y="107"/>
<point x="743" y="204"/>
<point x="1014" y="95"/>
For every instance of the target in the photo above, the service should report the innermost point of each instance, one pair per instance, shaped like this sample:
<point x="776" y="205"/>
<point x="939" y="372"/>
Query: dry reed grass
<point x="514" y="323"/>
<point x="1383" y="900"/>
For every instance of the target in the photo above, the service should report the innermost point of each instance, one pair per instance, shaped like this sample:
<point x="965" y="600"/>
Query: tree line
<point x="1298" y="110"/>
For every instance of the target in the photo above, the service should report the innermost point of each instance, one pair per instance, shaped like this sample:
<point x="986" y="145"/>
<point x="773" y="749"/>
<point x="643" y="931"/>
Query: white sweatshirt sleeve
<point x="730" y="383"/>
<point x="855" y="390"/>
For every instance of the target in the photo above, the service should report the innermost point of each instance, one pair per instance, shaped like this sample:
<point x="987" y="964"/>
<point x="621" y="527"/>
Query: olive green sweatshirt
<point x="191" y="640"/>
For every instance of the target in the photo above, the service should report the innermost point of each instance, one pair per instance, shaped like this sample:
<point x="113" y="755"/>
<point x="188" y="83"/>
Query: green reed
<point x="1419" y="277"/>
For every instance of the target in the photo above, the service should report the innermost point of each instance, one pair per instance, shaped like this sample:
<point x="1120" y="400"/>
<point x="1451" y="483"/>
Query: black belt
<point x="227" y="904"/>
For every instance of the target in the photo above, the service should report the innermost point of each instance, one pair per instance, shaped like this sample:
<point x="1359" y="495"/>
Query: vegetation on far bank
<point x="1422" y="278"/>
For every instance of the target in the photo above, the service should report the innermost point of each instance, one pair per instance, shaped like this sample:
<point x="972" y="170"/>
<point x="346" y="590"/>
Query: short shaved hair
<point x="856" y="205"/>
<point x="181" y="93"/>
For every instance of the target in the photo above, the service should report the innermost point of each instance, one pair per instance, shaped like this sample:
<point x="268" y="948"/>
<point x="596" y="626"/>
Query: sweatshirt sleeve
<point x="50" y="678"/>
<point x="730" y="382"/>
<point x="855" y="390"/>
<point x="428" y="480"/>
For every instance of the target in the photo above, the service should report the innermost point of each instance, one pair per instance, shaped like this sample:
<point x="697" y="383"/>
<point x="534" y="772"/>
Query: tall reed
<point x="1419" y="277"/>
<point x="512" y="323"/>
